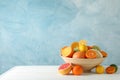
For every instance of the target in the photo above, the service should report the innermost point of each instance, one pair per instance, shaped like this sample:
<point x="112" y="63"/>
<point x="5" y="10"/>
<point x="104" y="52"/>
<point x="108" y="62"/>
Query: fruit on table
<point x="114" y="65"/>
<point x="83" y="48"/>
<point x="110" y="70"/>
<point x="99" y="69"/>
<point x="67" y="51"/>
<point x="103" y="53"/>
<point x="78" y="54"/>
<point x="91" y="54"/>
<point x="65" y="69"/>
<point x="77" y="70"/>
<point x="96" y="47"/>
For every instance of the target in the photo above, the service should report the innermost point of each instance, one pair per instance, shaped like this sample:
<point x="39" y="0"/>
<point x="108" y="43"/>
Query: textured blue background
<point x="33" y="31"/>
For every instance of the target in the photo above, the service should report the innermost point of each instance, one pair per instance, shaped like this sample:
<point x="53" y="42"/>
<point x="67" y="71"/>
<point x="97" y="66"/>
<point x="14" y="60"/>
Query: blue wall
<point x="33" y="31"/>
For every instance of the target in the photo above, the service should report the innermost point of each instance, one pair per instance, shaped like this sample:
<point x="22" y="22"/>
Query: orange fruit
<point x="110" y="70"/>
<point x="77" y="70"/>
<point x="91" y="54"/>
<point x="67" y="51"/>
<point x="78" y="54"/>
<point x="104" y="53"/>
<point x="75" y="45"/>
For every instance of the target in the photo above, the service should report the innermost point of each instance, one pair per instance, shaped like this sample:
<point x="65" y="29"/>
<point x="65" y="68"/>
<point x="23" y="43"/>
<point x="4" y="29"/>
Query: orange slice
<point x="110" y="70"/>
<point x="91" y="54"/>
<point x="75" y="45"/>
<point x="67" y="51"/>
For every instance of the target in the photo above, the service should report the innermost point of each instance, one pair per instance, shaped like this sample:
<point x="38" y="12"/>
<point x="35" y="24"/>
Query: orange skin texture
<point x="77" y="70"/>
<point x="79" y="54"/>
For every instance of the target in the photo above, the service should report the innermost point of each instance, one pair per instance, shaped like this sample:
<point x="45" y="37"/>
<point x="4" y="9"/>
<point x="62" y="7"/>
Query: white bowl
<point x="87" y="64"/>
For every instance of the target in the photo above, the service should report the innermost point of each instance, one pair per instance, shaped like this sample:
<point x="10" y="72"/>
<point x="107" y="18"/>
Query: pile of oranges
<point x="82" y="50"/>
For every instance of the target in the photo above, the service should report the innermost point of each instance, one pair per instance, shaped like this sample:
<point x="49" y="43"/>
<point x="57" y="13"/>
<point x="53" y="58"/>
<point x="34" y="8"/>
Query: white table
<point x="51" y="73"/>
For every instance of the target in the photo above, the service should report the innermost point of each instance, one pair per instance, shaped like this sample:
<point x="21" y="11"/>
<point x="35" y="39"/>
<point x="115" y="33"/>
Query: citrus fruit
<point x="99" y="55"/>
<point x="96" y="47"/>
<point x="65" y="68"/>
<point x="91" y="54"/>
<point x="67" y="51"/>
<point x="114" y="65"/>
<point x="110" y="70"/>
<point x="104" y="53"/>
<point x="77" y="70"/>
<point x="99" y="69"/>
<point x="83" y="48"/>
<point x="78" y="54"/>
<point x="75" y="45"/>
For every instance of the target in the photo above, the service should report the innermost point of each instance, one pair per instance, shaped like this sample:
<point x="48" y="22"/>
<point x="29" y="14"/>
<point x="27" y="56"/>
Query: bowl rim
<point x="83" y="58"/>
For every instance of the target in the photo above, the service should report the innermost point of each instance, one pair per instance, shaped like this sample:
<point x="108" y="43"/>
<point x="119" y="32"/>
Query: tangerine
<point x="77" y="70"/>
<point x="79" y="54"/>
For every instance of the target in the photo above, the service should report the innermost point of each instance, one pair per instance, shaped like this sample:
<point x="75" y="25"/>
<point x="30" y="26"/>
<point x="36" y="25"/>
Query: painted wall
<point x="33" y="31"/>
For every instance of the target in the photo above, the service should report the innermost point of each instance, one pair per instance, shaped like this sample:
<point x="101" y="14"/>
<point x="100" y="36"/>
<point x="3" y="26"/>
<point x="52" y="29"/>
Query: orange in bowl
<point x="78" y="54"/>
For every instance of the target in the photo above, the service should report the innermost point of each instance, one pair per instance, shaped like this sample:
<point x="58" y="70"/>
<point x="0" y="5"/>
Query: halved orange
<point x="75" y="45"/>
<point x="67" y="51"/>
<point x="91" y="54"/>
<point x="110" y="70"/>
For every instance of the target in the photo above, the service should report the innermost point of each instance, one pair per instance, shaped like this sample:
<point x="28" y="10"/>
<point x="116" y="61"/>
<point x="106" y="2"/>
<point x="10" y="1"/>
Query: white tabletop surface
<point x="51" y="73"/>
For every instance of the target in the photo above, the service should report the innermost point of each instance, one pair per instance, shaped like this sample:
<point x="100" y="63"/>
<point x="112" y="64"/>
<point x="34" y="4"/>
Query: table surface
<point x="51" y="73"/>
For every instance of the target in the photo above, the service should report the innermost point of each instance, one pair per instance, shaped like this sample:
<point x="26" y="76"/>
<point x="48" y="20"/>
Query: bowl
<point x="87" y="64"/>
